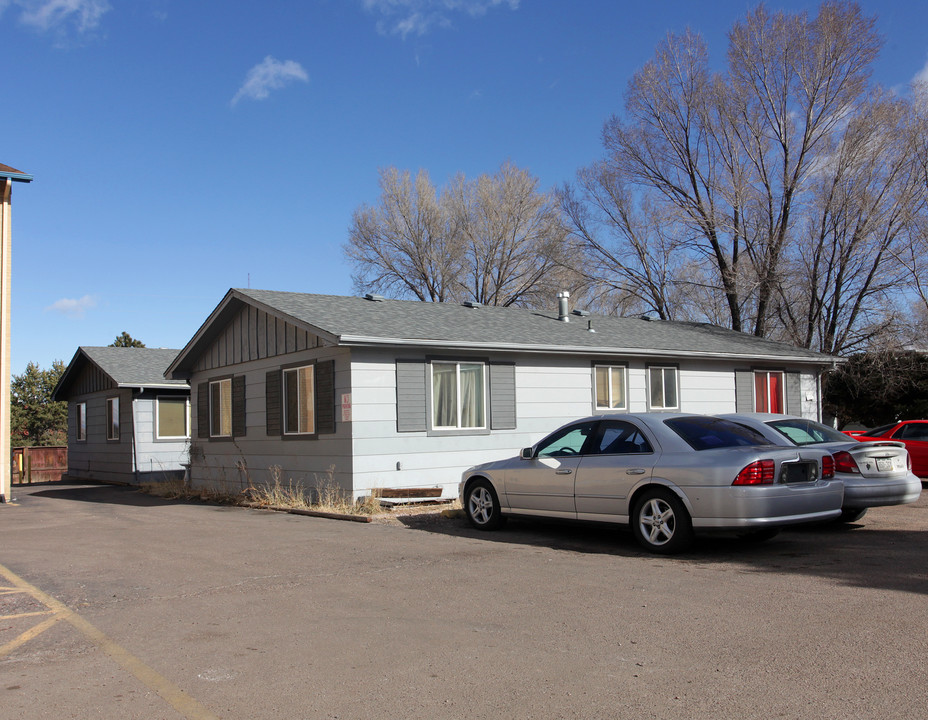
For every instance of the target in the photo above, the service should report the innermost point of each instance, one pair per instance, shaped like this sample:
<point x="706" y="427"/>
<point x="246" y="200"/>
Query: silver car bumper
<point x="872" y="492"/>
<point x="765" y="505"/>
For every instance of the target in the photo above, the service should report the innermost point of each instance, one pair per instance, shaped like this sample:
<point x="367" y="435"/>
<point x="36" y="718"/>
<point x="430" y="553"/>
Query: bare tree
<point x="403" y="246"/>
<point x="729" y="156"/>
<point x="913" y="255"/>
<point x="630" y="251"/>
<point x="496" y="240"/>
<point x="862" y="196"/>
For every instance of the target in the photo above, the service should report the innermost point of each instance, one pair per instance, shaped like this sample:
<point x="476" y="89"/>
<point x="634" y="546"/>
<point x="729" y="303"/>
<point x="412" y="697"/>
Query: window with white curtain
<point x="458" y="395"/>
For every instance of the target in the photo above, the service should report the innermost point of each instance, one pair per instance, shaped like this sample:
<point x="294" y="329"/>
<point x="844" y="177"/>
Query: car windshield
<point x="807" y="432"/>
<point x="706" y="433"/>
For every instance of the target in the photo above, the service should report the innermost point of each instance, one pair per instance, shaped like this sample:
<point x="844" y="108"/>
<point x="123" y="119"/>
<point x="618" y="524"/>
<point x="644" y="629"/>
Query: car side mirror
<point x="527" y="453"/>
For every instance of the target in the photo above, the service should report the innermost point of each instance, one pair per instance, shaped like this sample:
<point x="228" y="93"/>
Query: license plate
<point x="797" y="472"/>
<point x="884" y="464"/>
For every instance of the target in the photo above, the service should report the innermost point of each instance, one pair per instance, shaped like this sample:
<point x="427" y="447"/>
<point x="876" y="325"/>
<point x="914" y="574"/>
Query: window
<point x="220" y="408"/>
<point x="112" y="418"/>
<point x="610" y="387"/>
<point x="81" y="434"/>
<point x="706" y="433"/>
<point x="662" y="388"/>
<point x="299" y="401"/>
<point x="566" y="441"/>
<point x="620" y="438"/>
<point x="173" y="417"/>
<point x="768" y="392"/>
<point x="458" y="395"/>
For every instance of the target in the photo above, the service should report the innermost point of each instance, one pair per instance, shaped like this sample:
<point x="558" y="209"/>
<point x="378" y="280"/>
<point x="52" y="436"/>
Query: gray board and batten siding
<point x="134" y="377"/>
<point x="374" y="357"/>
<point x="251" y="347"/>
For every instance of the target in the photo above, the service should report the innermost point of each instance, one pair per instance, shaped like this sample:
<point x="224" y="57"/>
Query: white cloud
<point x="71" y="307"/>
<point x="44" y="15"/>
<point x="417" y="17"/>
<point x="921" y="77"/>
<point x="271" y="74"/>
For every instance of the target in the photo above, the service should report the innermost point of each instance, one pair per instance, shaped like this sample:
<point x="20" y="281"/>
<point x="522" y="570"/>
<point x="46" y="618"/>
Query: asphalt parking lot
<point x="114" y="604"/>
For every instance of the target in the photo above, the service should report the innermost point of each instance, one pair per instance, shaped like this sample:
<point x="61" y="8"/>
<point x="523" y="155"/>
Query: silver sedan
<point x="874" y="473"/>
<point x="666" y="475"/>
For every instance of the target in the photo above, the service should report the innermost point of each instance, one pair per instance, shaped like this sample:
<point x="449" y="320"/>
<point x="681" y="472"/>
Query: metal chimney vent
<point x="562" y="298"/>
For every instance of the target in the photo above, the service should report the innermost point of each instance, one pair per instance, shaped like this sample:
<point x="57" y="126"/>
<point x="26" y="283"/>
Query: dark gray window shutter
<point x="744" y="391"/>
<point x="203" y="410"/>
<point x="793" y="394"/>
<point x="272" y="400"/>
<point x="238" y="406"/>
<point x="411" y="406"/>
<point x="325" y="397"/>
<point x="502" y="396"/>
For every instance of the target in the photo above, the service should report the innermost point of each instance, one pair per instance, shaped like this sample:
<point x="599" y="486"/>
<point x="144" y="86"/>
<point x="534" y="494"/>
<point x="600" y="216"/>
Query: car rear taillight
<point x="828" y="467"/>
<point x="757" y="473"/>
<point x="844" y="462"/>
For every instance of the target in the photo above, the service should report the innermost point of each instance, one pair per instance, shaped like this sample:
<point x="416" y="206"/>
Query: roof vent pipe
<point x="562" y="313"/>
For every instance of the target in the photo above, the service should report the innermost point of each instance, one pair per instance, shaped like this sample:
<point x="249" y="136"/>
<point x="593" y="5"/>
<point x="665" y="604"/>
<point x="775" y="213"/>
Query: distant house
<point x="369" y="393"/>
<point x="126" y="422"/>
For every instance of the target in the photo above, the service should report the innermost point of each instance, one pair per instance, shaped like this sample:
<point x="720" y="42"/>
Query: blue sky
<point x="183" y="147"/>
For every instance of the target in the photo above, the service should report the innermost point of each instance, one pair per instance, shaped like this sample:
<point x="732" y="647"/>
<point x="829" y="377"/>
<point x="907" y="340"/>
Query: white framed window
<point x="112" y="418"/>
<point x="663" y="388"/>
<point x="768" y="391"/>
<point x="300" y="400"/>
<point x="172" y="418"/>
<point x="220" y="408"/>
<point x="81" y="428"/>
<point x="611" y="382"/>
<point x="458" y="395"/>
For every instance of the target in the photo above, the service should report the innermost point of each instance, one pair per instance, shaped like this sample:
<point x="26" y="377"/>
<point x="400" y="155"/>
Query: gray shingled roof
<point x="127" y="367"/>
<point x="354" y="321"/>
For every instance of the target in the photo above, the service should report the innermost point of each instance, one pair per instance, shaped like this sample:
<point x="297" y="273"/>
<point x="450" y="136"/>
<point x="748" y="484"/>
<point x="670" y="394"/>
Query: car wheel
<point x="849" y="515"/>
<point x="660" y="523"/>
<point x="482" y="506"/>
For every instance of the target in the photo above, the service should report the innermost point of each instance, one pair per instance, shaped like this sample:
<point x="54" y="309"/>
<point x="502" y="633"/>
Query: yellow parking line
<point x="22" y="615"/>
<point x="28" y="635"/>
<point x="173" y="695"/>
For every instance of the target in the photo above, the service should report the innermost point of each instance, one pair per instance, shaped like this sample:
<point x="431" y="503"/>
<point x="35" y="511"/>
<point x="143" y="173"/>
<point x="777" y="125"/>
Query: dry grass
<point x="327" y="497"/>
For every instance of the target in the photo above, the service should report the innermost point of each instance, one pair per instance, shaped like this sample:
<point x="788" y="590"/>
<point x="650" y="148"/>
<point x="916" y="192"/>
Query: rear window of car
<point x="707" y="433"/>
<point x="807" y="432"/>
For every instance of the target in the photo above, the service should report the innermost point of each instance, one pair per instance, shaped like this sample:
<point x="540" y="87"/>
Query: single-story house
<point x="366" y="393"/>
<point x="126" y="421"/>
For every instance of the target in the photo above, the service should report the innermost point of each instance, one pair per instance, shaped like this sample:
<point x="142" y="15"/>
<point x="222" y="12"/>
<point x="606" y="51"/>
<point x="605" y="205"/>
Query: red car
<point x="914" y="433"/>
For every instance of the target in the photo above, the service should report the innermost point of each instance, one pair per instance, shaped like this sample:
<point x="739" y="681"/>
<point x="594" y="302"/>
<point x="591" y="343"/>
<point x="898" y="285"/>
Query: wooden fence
<point x="38" y="464"/>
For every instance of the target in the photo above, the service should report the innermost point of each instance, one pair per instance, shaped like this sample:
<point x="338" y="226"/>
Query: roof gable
<point x="100" y="368"/>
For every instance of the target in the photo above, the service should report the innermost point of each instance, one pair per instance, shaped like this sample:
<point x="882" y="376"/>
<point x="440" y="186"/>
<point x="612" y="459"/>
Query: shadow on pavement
<point x="110" y="494"/>
<point x="858" y="554"/>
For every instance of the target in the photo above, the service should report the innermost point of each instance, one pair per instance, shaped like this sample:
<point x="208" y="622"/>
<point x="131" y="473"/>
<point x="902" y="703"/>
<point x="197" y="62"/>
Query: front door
<point x="544" y="485"/>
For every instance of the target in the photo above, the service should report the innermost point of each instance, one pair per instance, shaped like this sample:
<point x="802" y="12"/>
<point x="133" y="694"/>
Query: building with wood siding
<point x="369" y="394"/>
<point x="126" y="422"/>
